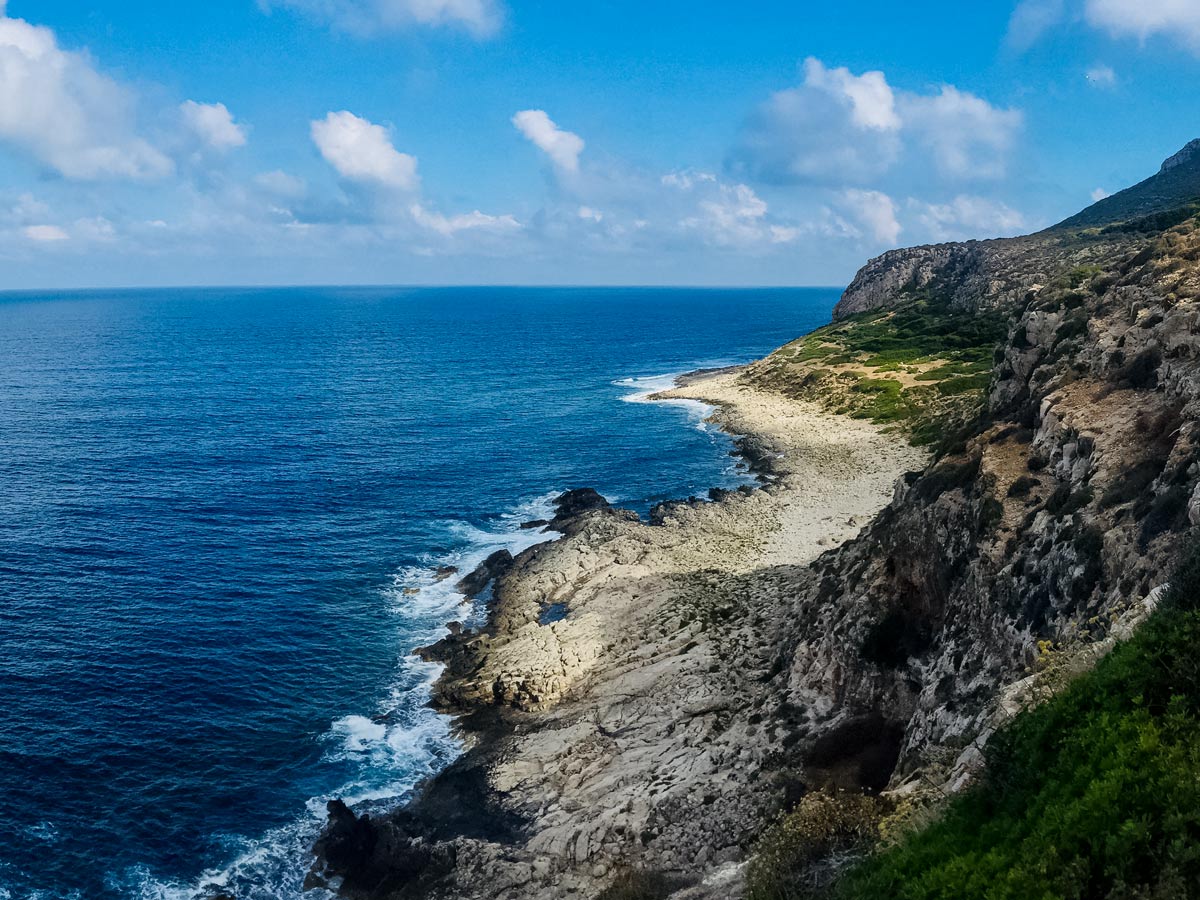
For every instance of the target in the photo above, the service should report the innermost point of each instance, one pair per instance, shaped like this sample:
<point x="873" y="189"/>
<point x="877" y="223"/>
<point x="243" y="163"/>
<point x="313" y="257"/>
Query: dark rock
<point x="575" y="507"/>
<point x="577" y="502"/>
<point x="536" y="523"/>
<point x="660" y="512"/>
<point x="374" y="858"/>
<point x="444" y="572"/>
<point x="494" y="566"/>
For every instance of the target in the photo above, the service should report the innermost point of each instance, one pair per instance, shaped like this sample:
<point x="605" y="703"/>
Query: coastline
<point x="622" y="731"/>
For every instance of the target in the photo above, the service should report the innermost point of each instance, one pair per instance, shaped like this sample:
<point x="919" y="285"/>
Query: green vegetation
<point x="1095" y="794"/>
<point x="921" y="366"/>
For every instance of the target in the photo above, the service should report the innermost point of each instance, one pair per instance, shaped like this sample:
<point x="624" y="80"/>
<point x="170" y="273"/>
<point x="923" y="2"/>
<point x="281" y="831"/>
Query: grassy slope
<point x="915" y="366"/>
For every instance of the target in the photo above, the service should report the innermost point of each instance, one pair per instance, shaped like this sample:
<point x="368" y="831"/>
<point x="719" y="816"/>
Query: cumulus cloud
<point x="361" y="151"/>
<point x="480" y="18"/>
<point x="967" y="217"/>
<point x="733" y="215"/>
<point x="1099" y="194"/>
<point x="58" y="108"/>
<point x="687" y="179"/>
<point x="1179" y="19"/>
<point x="967" y="136"/>
<point x="562" y="147"/>
<point x="835" y="126"/>
<point x="839" y="128"/>
<point x="213" y="124"/>
<point x="868" y="96"/>
<point x="873" y="211"/>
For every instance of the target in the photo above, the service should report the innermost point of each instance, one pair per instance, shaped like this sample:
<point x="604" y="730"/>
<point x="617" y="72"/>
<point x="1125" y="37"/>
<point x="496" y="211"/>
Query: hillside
<point x="1174" y="186"/>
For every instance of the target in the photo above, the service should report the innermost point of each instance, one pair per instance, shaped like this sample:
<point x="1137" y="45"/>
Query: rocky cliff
<point x="717" y="667"/>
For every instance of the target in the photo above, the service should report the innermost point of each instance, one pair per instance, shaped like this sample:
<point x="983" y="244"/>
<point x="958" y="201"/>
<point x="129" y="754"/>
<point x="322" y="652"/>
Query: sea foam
<point x="391" y="749"/>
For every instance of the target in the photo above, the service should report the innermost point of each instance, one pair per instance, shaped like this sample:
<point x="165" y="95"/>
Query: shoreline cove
<point x="430" y="738"/>
<point x="618" y="723"/>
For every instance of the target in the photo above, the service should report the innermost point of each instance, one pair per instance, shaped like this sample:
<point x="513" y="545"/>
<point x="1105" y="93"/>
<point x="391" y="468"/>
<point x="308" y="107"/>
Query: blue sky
<point x="608" y="142"/>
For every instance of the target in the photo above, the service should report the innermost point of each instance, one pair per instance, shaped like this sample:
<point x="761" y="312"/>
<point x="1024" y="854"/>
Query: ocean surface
<point x="215" y="506"/>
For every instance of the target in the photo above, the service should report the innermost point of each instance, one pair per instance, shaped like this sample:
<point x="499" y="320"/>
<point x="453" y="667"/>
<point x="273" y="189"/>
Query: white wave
<point x="646" y="387"/>
<point x="391" y="750"/>
<point x="358" y="732"/>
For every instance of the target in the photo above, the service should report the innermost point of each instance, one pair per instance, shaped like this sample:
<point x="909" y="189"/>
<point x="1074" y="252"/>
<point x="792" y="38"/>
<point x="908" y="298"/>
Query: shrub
<point x="1022" y="486"/>
<point x="1065" y="502"/>
<point x="1168" y="512"/>
<point x="1094" y="794"/>
<point x="785" y="867"/>
<point x="1142" y="372"/>
<point x="946" y="476"/>
<point x="1132" y="483"/>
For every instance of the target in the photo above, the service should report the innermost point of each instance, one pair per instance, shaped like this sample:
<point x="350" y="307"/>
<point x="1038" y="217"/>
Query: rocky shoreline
<point x="615" y="704"/>
<point x="645" y="697"/>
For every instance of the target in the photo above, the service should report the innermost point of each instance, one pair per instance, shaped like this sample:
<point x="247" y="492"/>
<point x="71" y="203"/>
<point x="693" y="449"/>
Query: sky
<point x="615" y="142"/>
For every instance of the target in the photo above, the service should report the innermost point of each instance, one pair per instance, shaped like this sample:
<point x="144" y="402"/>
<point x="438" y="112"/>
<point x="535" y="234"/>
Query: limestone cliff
<point x="712" y="669"/>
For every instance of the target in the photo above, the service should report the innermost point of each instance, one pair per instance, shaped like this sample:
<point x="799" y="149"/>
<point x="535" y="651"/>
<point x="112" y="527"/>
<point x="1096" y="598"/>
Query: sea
<point x="221" y="511"/>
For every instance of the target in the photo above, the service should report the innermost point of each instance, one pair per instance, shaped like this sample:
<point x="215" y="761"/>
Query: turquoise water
<point x="214" y="505"/>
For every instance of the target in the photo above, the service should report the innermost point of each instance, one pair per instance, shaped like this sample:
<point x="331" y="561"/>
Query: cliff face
<point x="695" y="691"/>
<point x="1053" y="512"/>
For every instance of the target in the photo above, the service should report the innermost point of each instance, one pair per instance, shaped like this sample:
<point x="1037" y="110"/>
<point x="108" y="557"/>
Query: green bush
<point x="1095" y="794"/>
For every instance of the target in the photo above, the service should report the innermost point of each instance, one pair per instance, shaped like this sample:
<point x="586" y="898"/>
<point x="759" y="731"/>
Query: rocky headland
<point x="976" y="477"/>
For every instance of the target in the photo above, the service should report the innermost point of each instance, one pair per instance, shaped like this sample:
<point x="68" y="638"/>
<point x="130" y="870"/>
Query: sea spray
<point x="392" y="749"/>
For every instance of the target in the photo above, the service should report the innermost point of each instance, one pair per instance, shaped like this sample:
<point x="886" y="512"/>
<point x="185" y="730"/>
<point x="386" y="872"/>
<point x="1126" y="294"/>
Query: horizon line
<point x="401" y="286"/>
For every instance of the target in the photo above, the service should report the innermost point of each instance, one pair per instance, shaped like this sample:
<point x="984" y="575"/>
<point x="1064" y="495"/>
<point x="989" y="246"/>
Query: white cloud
<point x="563" y="147"/>
<point x="1099" y="194"/>
<point x="362" y="151"/>
<point x="835" y="126"/>
<point x="1032" y="19"/>
<point x="838" y="128"/>
<point x="45" y="233"/>
<point x="481" y="18"/>
<point x="213" y="124"/>
<point x="55" y="106"/>
<point x="967" y="217"/>
<point x="874" y="211"/>
<point x="735" y="216"/>
<point x="967" y="135"/>
<point x="869" y="97"/>
<point x="1179" y="19"/>
<point x="449" y="226"/>
<point x="591" y="215"/>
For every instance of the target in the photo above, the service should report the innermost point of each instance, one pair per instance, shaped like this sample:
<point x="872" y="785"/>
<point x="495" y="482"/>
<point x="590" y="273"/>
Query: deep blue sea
<point x="215" y="504"/>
